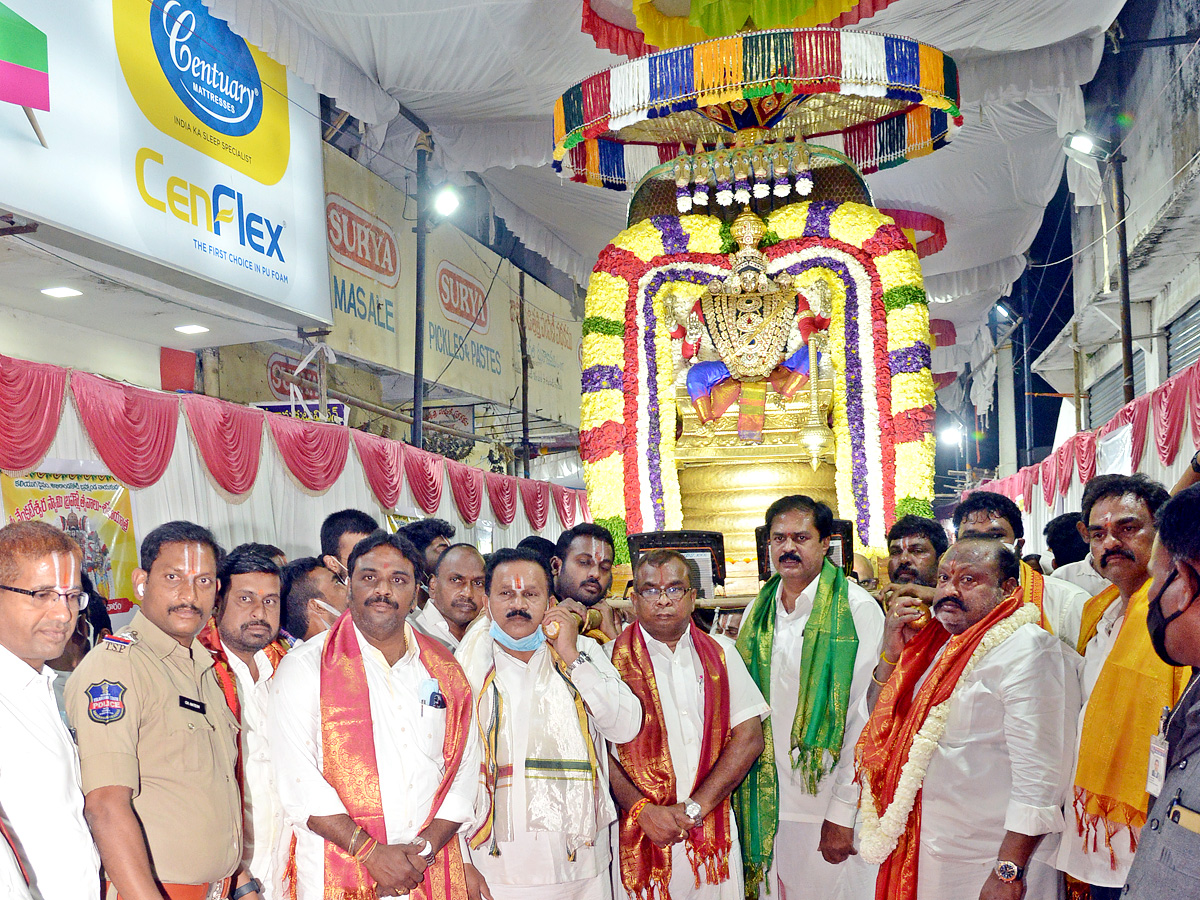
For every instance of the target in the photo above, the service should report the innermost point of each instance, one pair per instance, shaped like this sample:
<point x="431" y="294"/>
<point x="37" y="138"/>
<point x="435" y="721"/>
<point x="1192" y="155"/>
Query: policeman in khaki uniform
<point x="157" y="742"/>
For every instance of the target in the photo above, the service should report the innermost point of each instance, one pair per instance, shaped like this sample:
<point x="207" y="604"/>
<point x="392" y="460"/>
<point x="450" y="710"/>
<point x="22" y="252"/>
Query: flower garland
<point x="883" y="420"/>
<point x="880" y="834"/>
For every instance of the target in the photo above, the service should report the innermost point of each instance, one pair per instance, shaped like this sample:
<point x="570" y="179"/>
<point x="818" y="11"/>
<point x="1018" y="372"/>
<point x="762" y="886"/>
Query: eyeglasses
<point x="675" y="592"/>
<point x="43" y="599"/>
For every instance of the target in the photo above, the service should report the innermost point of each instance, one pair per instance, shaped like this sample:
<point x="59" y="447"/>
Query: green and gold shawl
<point x="826" y="669"/>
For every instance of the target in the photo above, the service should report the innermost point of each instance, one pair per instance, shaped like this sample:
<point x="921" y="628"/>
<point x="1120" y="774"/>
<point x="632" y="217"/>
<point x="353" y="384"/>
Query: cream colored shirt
<point x="614" y="713"/>
<point x="263" y="820"/>
<point x="41" y="799"/>
<point x="1074" y="858"/>
<point x="837" y="797"/>
<point x="161" y="727"/>
<point x="408" y="750"/>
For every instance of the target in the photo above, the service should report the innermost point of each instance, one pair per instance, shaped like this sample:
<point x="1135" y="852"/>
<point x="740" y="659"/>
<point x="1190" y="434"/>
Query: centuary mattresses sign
<point x="167" y="135"/>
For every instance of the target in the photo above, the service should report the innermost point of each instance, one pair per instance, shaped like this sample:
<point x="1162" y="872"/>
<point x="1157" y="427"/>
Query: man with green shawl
<point x="810" y="640"/>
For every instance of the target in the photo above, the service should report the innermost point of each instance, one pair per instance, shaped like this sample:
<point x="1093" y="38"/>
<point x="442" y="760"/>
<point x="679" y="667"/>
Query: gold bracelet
<point x="883" y="657"/>
<point x="353" y="837"/>
<point x="370" y="846"/>
<point x="876" y="680"/>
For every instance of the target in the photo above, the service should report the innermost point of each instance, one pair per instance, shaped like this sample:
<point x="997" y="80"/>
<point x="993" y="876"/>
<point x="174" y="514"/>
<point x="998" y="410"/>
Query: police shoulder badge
<point x="106" y="703"/>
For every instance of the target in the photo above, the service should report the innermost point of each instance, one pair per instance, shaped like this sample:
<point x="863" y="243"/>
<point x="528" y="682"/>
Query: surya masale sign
<point x="167" y="136"/>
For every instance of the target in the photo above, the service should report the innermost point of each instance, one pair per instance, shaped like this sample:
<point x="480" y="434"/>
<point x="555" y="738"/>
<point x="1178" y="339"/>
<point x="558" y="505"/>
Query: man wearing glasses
<point x="701" y="731"/>
<point x="41" y="801"/>
<point x="157" y="741"/>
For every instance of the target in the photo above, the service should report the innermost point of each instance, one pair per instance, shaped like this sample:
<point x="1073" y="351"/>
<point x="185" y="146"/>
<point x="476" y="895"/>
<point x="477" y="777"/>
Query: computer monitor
<point x="703" y="550"/>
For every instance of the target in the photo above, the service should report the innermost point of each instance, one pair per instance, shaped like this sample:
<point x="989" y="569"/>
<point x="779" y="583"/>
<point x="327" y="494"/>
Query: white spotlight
<point x="446" y="201"/>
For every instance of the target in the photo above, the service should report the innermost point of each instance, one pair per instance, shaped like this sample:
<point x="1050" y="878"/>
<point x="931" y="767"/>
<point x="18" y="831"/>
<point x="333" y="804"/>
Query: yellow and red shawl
<point x="645" y="868"/>
<point x="349" y="763"/>
<point x="1033" y="589"/>
<point x="898" y="716"/>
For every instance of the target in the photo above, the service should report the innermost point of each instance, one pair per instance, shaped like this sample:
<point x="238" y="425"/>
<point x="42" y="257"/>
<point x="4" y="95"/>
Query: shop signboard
<point x="169" y="137"/>
<point x="372" y="271"/>
<point x="96" y="511"/>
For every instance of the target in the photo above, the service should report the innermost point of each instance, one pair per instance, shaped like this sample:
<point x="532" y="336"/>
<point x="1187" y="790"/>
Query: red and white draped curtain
<point x="134" y="429"/>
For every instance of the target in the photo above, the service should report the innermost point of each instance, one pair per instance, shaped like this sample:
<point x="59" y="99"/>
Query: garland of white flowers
<point x="880" y="834"/>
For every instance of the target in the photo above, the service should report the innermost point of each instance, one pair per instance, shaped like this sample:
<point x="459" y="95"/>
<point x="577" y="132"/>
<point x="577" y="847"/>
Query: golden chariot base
<point x="726" y="484"/>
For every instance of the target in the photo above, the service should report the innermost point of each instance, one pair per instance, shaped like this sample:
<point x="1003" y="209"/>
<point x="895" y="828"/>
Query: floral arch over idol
<point x="758" y="297"/>
<point x="877" y="329"/>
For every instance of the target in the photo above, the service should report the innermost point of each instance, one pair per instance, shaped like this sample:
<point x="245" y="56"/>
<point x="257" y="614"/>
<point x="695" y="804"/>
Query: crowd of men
<point x="402" y="715"/>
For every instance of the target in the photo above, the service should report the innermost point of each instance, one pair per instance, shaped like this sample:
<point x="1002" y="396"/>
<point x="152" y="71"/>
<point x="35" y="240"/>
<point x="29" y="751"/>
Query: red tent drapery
<point x="466" y="486"/>
<point x="133" y="429"/>
<point x="229" y="438"/>
<point x="502" y="494"/>
<point x="1168" y="409"/>
<point x="1085" y="456"/>
<point x="314" y="452"/>
<point x="564" y="504"/>
<point x="535" y="497"/>
<point x="383" y="463"/>
<point x="31" y="400"/>
<point x="426" y="475"/>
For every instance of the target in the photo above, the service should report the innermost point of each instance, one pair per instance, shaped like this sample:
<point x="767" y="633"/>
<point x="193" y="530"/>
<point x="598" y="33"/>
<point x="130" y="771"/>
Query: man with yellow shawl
<point x="985" y="514"/>
<point x="700" y="733"/>
<point x="966" y="757"/>
<point x="546" y="699"/>
<point x="376" y="756"/>
<point x="810" y="640"/>
<point x="1125" y="687"/>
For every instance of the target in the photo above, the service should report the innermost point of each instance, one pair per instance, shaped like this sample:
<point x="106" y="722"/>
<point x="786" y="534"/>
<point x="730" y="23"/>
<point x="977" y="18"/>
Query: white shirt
<point x="1083" y="575"/>
<point x="1073" y="858"/>
<point x="430" y="621"/>
<point x="1004" y="761"/>
<point x="614" y="713"/>
<point x="837" y="797"/>
<point x="1063" y="603"/>
<point x="408" y="751"/>
<point x="680" y="681"/>
<point x="12" y="882"/>
<point x="263" y="820"/>
<point x="41" y="796"/>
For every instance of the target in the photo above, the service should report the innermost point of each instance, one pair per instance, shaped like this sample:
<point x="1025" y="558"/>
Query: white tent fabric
<point x="276" y="510"/>
<point x="485" y="75"/>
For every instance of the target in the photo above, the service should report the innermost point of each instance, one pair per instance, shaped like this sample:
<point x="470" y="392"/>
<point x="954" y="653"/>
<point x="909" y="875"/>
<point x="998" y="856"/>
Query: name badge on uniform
<point x="1156" y="772"/>
<point x="194" y="705"/>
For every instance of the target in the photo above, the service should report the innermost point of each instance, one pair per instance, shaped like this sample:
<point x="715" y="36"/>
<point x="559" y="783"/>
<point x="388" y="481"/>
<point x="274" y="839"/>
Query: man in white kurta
<point x="407" y="719"/>
<point x="41" y="796"/>
<point x="548" y="838"/>
<point x="663" y="602"/>
<point x="455" y="595"/>
<point x="995" y="785"/>
<point x="815" y="830"/>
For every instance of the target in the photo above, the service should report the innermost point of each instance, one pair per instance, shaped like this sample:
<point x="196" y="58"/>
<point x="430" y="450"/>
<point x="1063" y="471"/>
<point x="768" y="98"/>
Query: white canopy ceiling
<point x="484" y="75"/>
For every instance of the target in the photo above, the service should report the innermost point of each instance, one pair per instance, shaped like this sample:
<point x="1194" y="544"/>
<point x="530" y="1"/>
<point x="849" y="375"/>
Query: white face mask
<point x="332" y="610"/>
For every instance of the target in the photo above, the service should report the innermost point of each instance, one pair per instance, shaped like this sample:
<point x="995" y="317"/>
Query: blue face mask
<point x="524" y="645"/>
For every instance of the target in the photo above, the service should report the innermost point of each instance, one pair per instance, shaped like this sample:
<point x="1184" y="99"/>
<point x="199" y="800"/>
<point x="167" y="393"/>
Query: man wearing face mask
<point x="810" y="640"/>
<point x="992" y="516"/>
<point x="1173" y="837"/>
<point x="546" y="700"/>
<point x="339" y="533"/>
<point x="1125" y="687"/>
<point x="309" y="592"/>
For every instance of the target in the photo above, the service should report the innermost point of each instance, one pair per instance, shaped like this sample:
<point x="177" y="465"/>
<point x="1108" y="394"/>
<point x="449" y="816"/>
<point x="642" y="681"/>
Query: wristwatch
<point x="691" y="809"/>
<point x="1008" y="871"/>
<point x="426" y="853"/>
<point x="577" y="662"/>
<point x="250" y="887"/>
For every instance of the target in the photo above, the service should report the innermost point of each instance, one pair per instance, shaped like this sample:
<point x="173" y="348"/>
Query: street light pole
<point x="1026" y="368"/>
<point x="424" y="149"/>
<point x="1118" y="160"/>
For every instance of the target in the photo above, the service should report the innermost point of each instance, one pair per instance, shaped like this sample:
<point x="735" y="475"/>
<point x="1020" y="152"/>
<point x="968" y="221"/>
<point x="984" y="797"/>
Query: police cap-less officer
<point x="157" y="743"/>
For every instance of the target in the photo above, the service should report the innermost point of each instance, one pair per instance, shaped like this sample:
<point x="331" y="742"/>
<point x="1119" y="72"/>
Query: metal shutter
<point x="1183" y="340"/>
<point x="1107" y="395"/>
